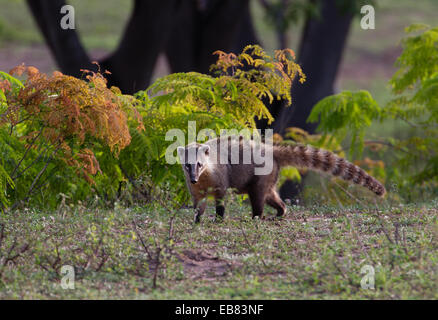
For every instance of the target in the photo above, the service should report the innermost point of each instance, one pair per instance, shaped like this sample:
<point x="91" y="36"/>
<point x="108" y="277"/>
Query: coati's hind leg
<point x="257" y="199"/>
<point x="263" y="190"/>
<point x="274" y="200"/>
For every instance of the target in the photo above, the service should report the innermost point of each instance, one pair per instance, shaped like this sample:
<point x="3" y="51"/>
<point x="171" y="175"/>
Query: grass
<point x="315" y="252"/>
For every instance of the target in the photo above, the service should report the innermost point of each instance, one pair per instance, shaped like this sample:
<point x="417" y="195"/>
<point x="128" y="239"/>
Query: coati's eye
<point x="187" y="166"/>
<point x="199" y="165"/>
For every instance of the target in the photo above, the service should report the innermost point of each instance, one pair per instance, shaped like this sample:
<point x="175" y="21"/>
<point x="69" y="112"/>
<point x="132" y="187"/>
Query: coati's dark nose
<point x="193" y="181"/>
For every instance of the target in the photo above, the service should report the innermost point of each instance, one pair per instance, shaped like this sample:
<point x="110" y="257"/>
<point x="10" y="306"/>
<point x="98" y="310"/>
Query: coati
<point x="210" y="169"/>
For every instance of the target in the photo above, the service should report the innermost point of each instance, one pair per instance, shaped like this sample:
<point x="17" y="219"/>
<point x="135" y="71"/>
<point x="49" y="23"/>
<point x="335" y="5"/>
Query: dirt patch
<point x="203" y="264"/>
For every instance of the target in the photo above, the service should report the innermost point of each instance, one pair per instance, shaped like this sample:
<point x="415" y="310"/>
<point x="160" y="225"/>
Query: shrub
<point x="53" y="126"/>
<point x="408" y="161"/>
<point x="71" y="137"/>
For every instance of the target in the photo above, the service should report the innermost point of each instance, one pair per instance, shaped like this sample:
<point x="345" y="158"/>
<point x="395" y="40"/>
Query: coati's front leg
<point x="257" y="199"/>
<point x="219" y="196"/>
<point x="220" y="209"/>
<point x="199" y="206"/>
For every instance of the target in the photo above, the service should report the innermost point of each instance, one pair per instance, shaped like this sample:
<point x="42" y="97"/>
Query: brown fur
<point x="205" y="178"/>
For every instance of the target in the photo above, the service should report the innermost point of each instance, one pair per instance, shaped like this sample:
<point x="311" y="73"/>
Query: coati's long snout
<point x="207" y="174"/>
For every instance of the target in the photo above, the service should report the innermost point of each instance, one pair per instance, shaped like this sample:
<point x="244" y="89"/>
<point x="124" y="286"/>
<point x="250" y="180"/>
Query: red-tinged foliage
<point x="5" y="85"/>
<point x="71" y="115"/>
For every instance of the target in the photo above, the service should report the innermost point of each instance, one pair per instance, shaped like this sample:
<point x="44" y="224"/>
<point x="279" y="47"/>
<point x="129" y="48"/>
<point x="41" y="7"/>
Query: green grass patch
<point x="315" y="252"/>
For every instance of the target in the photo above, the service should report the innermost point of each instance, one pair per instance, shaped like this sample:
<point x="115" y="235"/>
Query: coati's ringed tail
<point x="326" y="161"/>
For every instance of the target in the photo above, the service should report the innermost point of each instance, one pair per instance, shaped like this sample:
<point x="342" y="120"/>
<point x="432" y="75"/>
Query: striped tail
<point x="318" y="159"/>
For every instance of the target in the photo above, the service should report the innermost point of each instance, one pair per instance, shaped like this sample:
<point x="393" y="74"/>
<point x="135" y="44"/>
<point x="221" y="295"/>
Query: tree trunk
<point x="64" y="44"/>
<point x="246" y="34"/>
<point x="144" y="38"/>
<point x="279" y="10"/>
<point x="199" y="31"/>
<point x="320" y="54"/>
<point x="132" y="64"/>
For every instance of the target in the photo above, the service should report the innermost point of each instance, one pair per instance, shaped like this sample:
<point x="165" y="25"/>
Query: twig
<point x="385" y="143"/>
<point x="9" y="257"/>
<point x="2" y="233"/>
<point x="157" y="267"/>
<point x="145" y="247"/>
<point x="43" y="169"/>
<point x="386" y="233"/>
<point x="43" y="153"/>
<point x="27" y="150"/>
<point x="103" y="260"/>
<point x="396" y="234"/>
<point x="405" y="246"/>
<point x="346" y="191"/>
<point x="251" y="247"/>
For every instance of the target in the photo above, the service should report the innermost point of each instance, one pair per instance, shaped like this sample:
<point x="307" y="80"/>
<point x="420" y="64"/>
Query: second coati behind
<point x="209" y="173"/>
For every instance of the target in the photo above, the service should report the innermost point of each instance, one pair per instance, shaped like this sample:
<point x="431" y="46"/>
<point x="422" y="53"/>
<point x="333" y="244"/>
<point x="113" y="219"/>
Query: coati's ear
<point x="205" y="149"/>
<point x="181" y="152"/>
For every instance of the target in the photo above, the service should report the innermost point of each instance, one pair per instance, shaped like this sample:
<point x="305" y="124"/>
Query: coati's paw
<point x="197" y="219"/>
<point x="281" y="214"/>
<point x="275" y="218"/>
